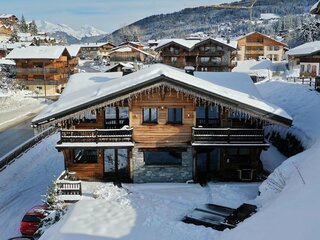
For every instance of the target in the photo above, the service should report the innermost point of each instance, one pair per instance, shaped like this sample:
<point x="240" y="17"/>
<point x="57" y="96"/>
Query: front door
<point x="116" y="164"/>
<point x="207" y="164"/>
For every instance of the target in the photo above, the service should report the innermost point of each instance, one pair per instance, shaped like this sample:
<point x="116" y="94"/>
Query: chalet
<point x="138" y="45"/>
<point x="91" y="50"/>
<point x="7" y="21"/>
<point x="257" y="45"/>
<point x="204" y="55"/>
<point x="128" y="53"/>
<point x="315" y="9"/>
<point x="6" y="48"/>
<point x="161" y="124"/>
<point x="119" y="67"/>
<point x="74" y="51"/>
<point x="308" y="57"/>
<point x="42" y="69"/>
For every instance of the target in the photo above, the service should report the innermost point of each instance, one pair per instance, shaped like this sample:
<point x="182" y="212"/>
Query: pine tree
<point x="14" y="35"/>
<point x="33" y="29"/>
<point x="23" y="25"/>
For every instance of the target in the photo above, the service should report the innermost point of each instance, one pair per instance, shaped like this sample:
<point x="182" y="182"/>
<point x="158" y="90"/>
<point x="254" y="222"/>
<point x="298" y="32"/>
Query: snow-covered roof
<point x="6" y="62"/>
<point x="247" y="35"/>
<point x="258" y="68"/>
<point x="6" y="15"/>
<point x="37" y="52"/>
<point x="73" y="50"/>
<point x="315" y="9"/>
<point x="87" y="45"/>
<point x="14" y="45"/>
<point x="269" y="16"/>
<point x="128" y="48"/>
<point x="305" y="49"/>
<point x="192" y="43"/>
<point x="80" y="98"/>
<point x="125" y="65"/>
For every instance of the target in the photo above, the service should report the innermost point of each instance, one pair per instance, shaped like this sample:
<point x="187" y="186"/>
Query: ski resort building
<point x="7" y="21"/>
<point x="203" y="55"/>
<point x="257" y="45"/>
<point x="160" y="124"/>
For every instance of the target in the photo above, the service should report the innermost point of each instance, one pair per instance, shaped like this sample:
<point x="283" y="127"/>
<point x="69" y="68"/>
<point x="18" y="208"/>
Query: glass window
<point x="162" y="157"/>
<point x="236" y="115"/>
<point x="174" y="50"/>
<point x="208" y="116"/>
<point x="174" y="60"/>
<point x="239" y="155"/>
<point x="216" y="60"/>
<point x="150" y="115"/>
<point x="85" y="155"/>
<point x="175" y="115"/>
<point x="204" y="59"/>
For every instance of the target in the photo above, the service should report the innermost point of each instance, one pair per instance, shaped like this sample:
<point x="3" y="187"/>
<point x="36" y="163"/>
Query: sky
<point x="106" y="15"/>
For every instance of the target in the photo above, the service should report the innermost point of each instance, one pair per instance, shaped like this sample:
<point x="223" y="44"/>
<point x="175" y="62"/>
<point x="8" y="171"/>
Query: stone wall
<point x="143" y="173"/>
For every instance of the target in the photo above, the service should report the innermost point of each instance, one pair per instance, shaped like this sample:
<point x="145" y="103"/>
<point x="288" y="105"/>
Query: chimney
<point x="189" y="70"/>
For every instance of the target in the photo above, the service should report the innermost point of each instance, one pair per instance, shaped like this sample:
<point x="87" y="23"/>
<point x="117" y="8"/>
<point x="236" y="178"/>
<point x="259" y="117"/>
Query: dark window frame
<point x="239" y="158"/>
<point x="149" y="120"/>
<point x="162" y="162"/>
<point x="175" y="116"/>
<point x="82" y="157"/>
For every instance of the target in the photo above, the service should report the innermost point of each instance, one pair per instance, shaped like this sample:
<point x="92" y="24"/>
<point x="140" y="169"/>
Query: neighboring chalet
<point x="206" y="55"/>
<point x="128" y="53"/>
<point x="119" y="67"/>
<point x="92" y="50"/>
<point x="138" y="45"/>
<point x="315" y="8"/>
<point x="160" y="124"/>
<point x="42" y="69"/>
<point x="74" y="51"/>
<point x="7" y="21"/>
<point x="257" y="45"/>
<point x="6" y="48"/>
<point x="308" y="57"/>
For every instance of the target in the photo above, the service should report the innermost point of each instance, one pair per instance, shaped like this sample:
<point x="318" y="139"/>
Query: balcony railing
<point x="41" y="70"/>
<point x="97" y="135"/>
<point x="227" y="135"/>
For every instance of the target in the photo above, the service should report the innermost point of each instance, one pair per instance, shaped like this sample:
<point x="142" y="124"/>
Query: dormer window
<point x="174" y="50"/>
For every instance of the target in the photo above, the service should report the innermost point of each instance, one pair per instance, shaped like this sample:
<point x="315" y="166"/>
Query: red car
<point x="31" y="220"/>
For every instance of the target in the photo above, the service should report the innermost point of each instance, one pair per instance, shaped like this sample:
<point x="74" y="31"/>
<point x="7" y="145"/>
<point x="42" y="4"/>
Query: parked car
<point x="31" y="220"/>
<point x="22" y="238"/>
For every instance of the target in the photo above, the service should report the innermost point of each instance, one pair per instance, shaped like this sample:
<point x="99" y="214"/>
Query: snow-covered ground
<point x="145" y="211"/>
<point x="24" y="181"/>
<point x="14" y="108"/>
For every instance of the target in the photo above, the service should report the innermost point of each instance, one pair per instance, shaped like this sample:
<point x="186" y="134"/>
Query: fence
<point x="305" y="81"/>
<point x="9" y="157"/>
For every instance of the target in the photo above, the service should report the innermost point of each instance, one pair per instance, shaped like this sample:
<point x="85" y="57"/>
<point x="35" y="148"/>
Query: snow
<point x="145" y="211"/>
<point x="73" y="50"/>
<point x="14" y="107"/>
<point x="269" y="16"/>
<point x="10" y="46"/>
<point x="71" y="97"/>
<point x="36" y="52"/>
<point x="24" y="182"/>
<point x="84" y="31"/>
<point x="6" y="15"/>
<point x="271" y="159"/>
<point x="305" y="49"/>
<point x="289" y="197"/>
<point x="315" y="7"/>
<point x="6" y="62"/>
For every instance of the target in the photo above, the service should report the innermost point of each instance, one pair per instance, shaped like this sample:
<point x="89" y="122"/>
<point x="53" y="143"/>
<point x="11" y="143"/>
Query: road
<point x="87" y="67"/>
<point x="13" y="137"/>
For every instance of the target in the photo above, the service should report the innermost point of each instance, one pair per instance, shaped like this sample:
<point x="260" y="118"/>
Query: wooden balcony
<point x="222" y="136"/>
<point x="96" y="136"/>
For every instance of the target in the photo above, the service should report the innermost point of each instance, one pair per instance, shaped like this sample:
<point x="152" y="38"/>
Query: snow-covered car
<point x="31" y="220"/>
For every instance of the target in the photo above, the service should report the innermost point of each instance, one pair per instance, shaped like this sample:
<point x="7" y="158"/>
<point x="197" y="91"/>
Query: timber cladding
<point x="162" y="132"/>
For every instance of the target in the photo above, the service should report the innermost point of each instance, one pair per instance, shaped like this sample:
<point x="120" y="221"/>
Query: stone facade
<point x="143" y="174"/>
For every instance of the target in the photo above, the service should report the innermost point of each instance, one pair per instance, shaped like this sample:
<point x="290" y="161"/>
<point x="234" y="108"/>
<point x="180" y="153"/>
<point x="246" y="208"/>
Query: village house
<point x="128" y="53"/>
<point x="92" y="50"/>
<point x="7" y="21"/>
<point x="307" y="56"/>
<point x="160" y="124"/>
<point x="203" y="55"/>
<point x="257" y="45"/>
<point x="6" y="48"/>
<point x="74" y="51"/>
<point x="42" y="69"/>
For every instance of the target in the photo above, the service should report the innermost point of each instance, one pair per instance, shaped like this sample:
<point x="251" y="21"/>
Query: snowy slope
<point x="84" y="31"/>
<point x="291" y="212"/>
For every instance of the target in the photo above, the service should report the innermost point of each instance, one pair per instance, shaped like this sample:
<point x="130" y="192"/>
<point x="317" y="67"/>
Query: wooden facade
<point x="165" y="136"/>
<point x="92" y="50"/>
<point x="7" y="22"/>
<point x="207" y="55"/>
<point x="257" y="45"/>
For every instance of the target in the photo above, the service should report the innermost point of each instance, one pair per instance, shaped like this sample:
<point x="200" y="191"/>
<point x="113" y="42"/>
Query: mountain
<point x="69" y="34"/>
<point x="211" y="20"/>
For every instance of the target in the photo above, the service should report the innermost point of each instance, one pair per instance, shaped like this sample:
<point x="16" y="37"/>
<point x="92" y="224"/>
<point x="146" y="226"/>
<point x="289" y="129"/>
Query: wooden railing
<point x="227" y="135"/>
<point x="67" y="187"/>
<point x="97" y="135"/>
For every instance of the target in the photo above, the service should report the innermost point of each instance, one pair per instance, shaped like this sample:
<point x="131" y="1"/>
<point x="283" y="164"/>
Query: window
<point x="85" y="155"/>
<point x="204" y="59"/>
<point x="174" y="50"/>
<point x="236" y="115"/>
<point x="174" y="60"/>
<point x="208" y="116"/>
<point x="238" y="155"/>
<point x="162" y="157"/>
<point x="90" y="117"/>
<point x="216" y="60"/>
<point x="302" y="68"/>
<point x="175" y="115"/>
<point x="150" y="115"/>
<point x="116" y="117"/>
<point x="207" y="49"/>
<point x="309" y="68"/>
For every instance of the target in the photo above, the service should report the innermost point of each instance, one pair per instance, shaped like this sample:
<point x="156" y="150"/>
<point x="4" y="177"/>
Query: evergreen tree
<point x="33" y="29"/>
<point x="23" y="25"/>
<point x="14" y="35"/>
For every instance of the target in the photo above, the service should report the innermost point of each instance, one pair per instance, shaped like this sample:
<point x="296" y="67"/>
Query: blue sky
<point x="107" y="15"/>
